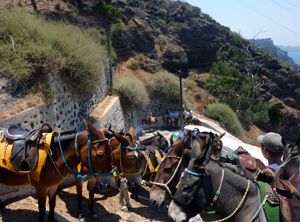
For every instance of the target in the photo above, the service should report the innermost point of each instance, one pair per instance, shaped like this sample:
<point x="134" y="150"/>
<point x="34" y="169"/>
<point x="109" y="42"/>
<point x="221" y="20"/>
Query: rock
<point x="200" y="83"/>
<point x="290" y="102"/>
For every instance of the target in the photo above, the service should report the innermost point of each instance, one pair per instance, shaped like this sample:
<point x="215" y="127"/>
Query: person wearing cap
<point x="272" y="149"/>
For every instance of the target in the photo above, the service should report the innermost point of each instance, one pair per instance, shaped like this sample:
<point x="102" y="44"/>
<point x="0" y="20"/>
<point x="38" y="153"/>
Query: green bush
<point x="275" y="115"/>
<point x="166" y="85"/>
<point x="132" y="91"/>
<point x="224" y="114"/>
<point x="31" y="46"/>
<point x="227" y="82"/>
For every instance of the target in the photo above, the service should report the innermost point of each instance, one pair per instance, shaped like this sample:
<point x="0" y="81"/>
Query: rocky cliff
<point x="177" y="36"/>
<point x="268" y="46"/>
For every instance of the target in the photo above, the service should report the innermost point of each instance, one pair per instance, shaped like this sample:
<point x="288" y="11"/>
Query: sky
<point x="276" y="19"/>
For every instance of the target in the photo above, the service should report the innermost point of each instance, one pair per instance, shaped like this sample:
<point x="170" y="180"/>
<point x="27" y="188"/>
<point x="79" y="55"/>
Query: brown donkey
<point x="127" y="162"/>
<point x="68" y="149"/>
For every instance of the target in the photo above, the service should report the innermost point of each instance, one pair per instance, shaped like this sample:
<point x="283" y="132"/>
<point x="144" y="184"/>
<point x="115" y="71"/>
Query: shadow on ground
<point x="71" y="205"/>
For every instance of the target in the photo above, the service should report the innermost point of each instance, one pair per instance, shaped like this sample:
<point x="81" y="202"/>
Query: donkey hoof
<point x="124" y="208"/>
<point x="81" y="218"/>
<point x="94" y="216"/>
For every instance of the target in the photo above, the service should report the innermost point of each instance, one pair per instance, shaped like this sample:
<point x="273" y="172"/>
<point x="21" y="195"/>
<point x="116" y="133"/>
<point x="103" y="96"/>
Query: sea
<point x="295" y="56"/>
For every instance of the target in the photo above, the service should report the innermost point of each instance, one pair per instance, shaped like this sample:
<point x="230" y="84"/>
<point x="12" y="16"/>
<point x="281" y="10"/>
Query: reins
<point x="76" y="174"/>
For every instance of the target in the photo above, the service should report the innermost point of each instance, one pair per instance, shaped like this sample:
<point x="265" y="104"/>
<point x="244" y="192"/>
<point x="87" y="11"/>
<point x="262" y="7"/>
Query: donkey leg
<point x="52" y="203"/>
<point x="136" y="193"/>
<point x="41" y="194"/>
<point x="78" y="185"/>
<point x="2" y="205"/>
<point x="91" y="186"/>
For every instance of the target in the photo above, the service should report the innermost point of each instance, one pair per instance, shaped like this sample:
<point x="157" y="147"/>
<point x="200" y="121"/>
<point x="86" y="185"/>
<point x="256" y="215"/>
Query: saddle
<point x="246" y="159"/>
<point x="24" y="153"/>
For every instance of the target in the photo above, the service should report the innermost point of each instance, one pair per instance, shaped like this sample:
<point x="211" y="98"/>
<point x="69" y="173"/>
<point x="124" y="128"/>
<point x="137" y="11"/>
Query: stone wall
<point x="64" y="112"/>
<point x="108" y="113"/>
<point x="66" y="109"/>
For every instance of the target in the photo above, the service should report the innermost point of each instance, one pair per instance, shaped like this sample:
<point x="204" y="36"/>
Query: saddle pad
<point x="149" y="162"/>
<point x="158" y="156"/>
<point x="5" y="153"/>
<point x="152" y="120"/>
<point x="43" y="151"/>
<point x="272" y="211"/>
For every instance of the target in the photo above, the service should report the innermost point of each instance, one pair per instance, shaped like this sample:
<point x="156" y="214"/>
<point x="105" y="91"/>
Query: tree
<point x="239" y="90"/>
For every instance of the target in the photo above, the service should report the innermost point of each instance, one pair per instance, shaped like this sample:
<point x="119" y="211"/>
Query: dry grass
<point x="29" y="101"/>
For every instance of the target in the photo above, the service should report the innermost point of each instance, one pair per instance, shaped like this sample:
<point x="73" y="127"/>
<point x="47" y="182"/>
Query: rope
<point x="218" y="192"/>
<point x="259" y="209"/>
<point x="54" y="164"/>
<point x="238" y="207"/>
<point x="29" y="179"/>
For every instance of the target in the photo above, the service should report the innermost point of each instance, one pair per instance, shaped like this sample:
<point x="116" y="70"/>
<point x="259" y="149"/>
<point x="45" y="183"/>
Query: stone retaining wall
<point x="64" y="112"/>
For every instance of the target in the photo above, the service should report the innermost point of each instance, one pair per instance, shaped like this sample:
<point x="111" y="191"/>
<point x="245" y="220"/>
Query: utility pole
<point x="181" y="97"/>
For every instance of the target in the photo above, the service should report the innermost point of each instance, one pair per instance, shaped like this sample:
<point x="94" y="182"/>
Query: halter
<point x="215" y="198"/>
<point x="165" y="185"/>
<point x="77" y="174"/>
<point x="218" y="192"/>
<point x="132" y="148"/>
<point x="136" y="148"/>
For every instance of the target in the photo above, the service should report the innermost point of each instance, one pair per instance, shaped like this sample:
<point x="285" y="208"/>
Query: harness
<point x="78" y="175"/>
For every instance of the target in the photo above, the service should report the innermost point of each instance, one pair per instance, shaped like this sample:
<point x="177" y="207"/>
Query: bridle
<point x="212" y="203"/>
<point x="166" y="184"/>
<point x="78" y="175"/>
<point x="132" y="148"/>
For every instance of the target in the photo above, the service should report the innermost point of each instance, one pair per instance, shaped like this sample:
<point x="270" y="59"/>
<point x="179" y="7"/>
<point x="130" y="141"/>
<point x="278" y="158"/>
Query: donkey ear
<point x="132" y="133"/>
<point x="93" y="133"/>
<point x="187" y="139"/>
<point x="187" y="152"/>
<point x="283" y="142"/>
<point x="220" y="137"/>
<point x="121" y="139"/>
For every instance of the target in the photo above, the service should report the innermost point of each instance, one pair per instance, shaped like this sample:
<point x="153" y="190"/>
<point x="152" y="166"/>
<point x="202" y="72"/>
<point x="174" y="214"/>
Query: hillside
<point x="278" y="52"/>
<point x="173" y="35"/>
<point x="178" y="37"/>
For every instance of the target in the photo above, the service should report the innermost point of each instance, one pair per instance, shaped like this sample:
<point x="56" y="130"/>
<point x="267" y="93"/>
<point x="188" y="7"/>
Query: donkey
<point x="127" y="162"/>
<point x="104" y="179"/>
<point x="208" y="183"/>
<point x="67" y="151"/>
<point x="157" y="140"/>
<point x="287" y="182"/>
<point x="172" y="167"/>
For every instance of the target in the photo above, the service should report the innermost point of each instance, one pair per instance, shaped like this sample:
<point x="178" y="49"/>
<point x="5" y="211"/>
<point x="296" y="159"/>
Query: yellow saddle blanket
<point x="5" y="154"/>
<point x="149" y="162"/>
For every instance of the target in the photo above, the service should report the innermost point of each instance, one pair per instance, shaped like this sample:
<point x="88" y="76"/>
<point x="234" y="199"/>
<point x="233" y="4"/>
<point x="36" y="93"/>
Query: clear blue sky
<point x="276" y="19"/>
